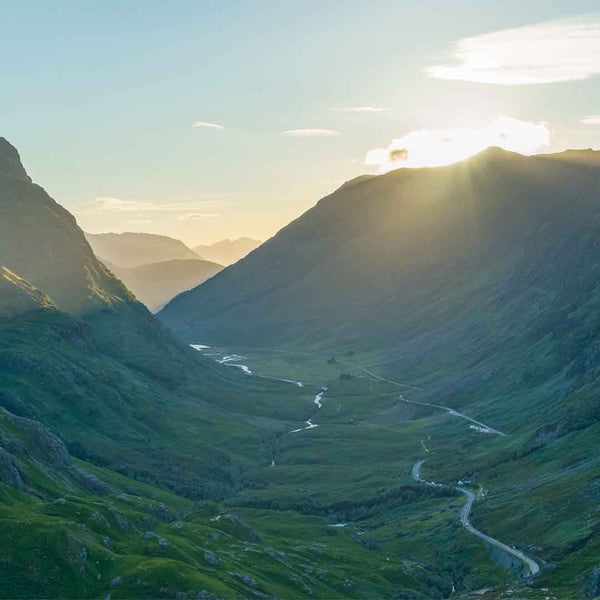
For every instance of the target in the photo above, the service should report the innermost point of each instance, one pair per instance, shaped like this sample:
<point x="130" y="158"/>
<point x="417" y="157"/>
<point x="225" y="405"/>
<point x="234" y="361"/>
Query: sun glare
<point x="433" y="148"/>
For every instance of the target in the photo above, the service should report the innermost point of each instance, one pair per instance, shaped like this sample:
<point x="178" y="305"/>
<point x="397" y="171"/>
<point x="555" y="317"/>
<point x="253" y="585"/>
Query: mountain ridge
<point x="227" y="251"/>
<point x="133" y="249"/>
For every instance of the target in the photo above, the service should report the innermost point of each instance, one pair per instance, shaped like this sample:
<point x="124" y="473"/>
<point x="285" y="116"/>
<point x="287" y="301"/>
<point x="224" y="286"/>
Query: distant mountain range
<point x="156" y="268"/>
<point x="227" y="252"/>
<point x="157" y="283"/>
<point x="135" y="249"/>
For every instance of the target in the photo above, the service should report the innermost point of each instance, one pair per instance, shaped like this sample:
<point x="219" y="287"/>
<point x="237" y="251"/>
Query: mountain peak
<point x="492" y="153"/>
<point x="10" y="162"/>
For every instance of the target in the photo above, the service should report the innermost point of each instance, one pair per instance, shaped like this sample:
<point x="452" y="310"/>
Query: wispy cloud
<point x="207" y="125"/>
<point x="138" y="221"/>
<point x="554" y="51"/>
<point x="106" y="204"/>
<point x="197" y="216"/>
<point x="591" y="120"/>
<point x="310" y="132"/>
<point x="361" y="109"/>
<point x="431" y="147"/>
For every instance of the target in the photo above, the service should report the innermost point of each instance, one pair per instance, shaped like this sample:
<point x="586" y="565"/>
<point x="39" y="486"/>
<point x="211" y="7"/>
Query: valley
<point x="135" y="466"/>
<point x="457" y="453"/>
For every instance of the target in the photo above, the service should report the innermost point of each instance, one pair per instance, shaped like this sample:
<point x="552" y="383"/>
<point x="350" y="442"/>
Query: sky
<point x="208" y="120"/>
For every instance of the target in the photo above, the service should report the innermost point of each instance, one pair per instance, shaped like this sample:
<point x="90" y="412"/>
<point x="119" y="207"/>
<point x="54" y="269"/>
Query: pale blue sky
<point x="101" y="98"/>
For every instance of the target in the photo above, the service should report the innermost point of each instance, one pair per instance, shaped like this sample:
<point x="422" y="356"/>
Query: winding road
<point x="531" y="565"/>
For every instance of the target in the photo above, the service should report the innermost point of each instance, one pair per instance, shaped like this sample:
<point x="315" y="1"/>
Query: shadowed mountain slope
<point x="374" y="262"/>
<point x="450" y="275"/>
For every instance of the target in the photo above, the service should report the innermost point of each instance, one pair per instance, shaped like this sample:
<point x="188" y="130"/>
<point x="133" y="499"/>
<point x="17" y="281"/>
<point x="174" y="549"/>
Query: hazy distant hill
<point x="157" y="283"/>
<point x="135" y="249"/>
<point x="227" y="252"/>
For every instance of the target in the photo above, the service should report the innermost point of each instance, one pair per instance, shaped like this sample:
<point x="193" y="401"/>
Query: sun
<point x="438" y="147"/>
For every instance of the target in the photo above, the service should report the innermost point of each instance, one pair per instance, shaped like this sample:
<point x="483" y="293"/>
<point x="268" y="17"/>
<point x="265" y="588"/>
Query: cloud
<point x="138" y="221"/>
<point x="591" y="120"/>
<point x="361" y="109"/>
<point x="431" y="147"/>
<point x="207" y="125"/>
<point x="563" y="50"/>
<point x="310" y="132"/>
<point x="107" y="204"/>
<point x="197" y="216"/>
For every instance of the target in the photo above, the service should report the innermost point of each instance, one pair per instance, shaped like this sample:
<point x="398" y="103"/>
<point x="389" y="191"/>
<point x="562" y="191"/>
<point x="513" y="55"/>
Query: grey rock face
<point x="211" y="558"/>
<point x="206" y="595"/>
<point x="49" y="446"/>
<point x="594" y="583"/>
<point x="92" y="483"/>
<point x="9" y="472"/>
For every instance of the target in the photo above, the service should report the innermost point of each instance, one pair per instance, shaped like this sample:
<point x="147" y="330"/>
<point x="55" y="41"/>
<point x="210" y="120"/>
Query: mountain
<point x="227" y="252"/>
<point x="412" y="259"/>
<point x="445" y="276"/>
<point x="80" y="354"/>
<point x="135" y="249"/>
<point x="124" y="453"/>
<point x="157" y="283"/>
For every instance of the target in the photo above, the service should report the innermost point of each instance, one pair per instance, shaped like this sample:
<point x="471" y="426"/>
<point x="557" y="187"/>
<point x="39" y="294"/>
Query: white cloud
<point x="106" y="204"/>
<point x="431" y="147"/>
<point x="138" y="221"/>
<point x="197" y="216"/>
<point x="361" y="109"/>
<point x="207" y="125"/>
<point x="563" y="50"/>
<point x="591" y="120"/>
<point x="310" y="132"/>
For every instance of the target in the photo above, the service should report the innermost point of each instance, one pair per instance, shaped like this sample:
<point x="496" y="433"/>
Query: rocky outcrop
<point x="41" y="442"/>
<point x="594" y="584"/>
<point x="9" y="471"/>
